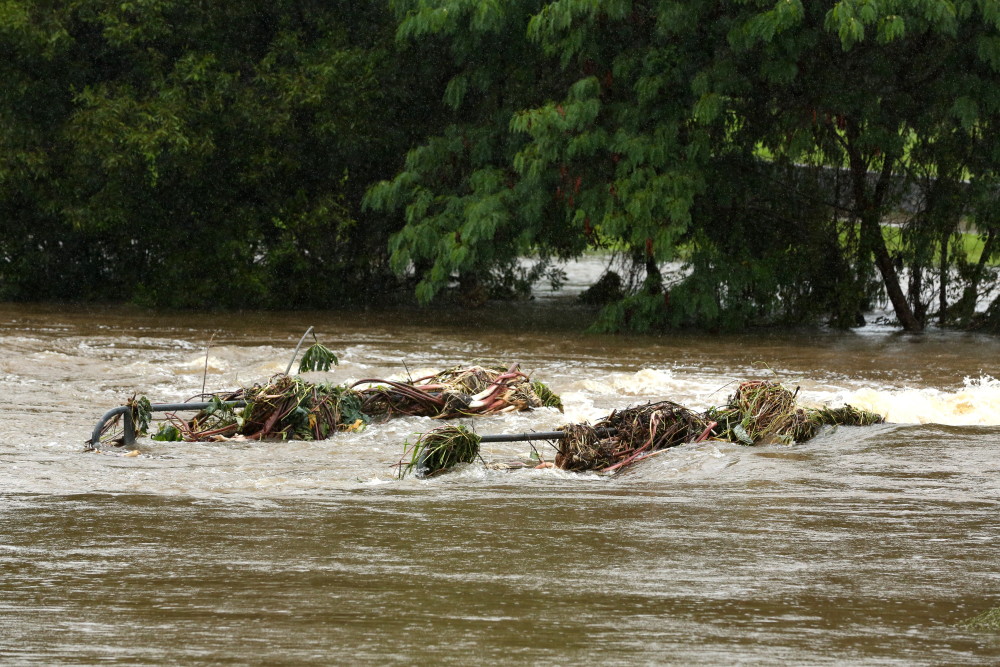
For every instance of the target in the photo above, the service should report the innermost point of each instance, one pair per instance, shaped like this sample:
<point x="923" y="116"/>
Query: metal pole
<point x="292" y="360"/>
<point x="541" y="435"/>
<point x="518" y="437"/>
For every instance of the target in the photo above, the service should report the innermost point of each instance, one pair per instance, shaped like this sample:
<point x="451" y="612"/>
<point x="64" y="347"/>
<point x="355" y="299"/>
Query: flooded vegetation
<point x="823" y="494"/>
<point x="868" y="545"/>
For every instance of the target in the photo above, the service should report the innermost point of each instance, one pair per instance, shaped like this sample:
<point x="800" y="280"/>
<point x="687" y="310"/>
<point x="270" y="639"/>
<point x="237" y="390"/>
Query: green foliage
<point x="548" y="397"/>
<point x="142" y="414"/>
<point x="187" y="155"/>
<point x="349" y="406"/>
<point x="180" y="154"/>
<point x="573" y="161"/>
<point x="641" y="313"/>
<point x="167" y="433"/>
<point x="317" y="358"/>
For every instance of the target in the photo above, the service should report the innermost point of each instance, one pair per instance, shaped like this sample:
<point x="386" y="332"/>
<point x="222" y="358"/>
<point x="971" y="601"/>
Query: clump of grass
<point x="846" y="415"/>
<point x="988" y="620"/>
<point x="762" y="411"/>
<point x="438" y="450"/>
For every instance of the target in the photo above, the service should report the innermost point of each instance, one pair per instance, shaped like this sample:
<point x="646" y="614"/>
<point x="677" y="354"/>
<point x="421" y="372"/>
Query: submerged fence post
<point x="125" y="410"/>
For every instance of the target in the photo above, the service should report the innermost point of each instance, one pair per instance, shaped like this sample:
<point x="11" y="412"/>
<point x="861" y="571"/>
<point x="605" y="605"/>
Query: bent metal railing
<point x="128" y="437"/>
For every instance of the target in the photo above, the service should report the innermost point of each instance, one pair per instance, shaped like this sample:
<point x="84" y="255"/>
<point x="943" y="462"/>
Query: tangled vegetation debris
<point x="286" y="408"/>
<point x="456" y="392"/>
<point x="759" y="412"/>
<point x="632" y="434"/>
<point x="140" y="413"/>
<point x="766" y="412"/>
<point x="290" y="407"/>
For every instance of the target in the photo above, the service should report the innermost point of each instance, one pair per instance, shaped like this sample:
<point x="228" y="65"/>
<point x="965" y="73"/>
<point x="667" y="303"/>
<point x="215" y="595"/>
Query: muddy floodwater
<point x="864" y="546"/>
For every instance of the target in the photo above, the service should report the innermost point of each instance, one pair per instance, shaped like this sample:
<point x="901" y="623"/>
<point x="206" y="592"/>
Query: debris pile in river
<point x="762" y="411"/>
<point x="285" y="408"/>
<point x="289" y="407"/>
<point x="626" y="436"/>
<point x="456" y="392"/>
<point x="766" y="412"/>
<point x="759" y="412"/>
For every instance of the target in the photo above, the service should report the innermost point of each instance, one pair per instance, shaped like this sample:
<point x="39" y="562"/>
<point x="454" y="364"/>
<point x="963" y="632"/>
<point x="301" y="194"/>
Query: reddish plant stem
<point x="630" y="459"/>
<point x="706" y="432"/>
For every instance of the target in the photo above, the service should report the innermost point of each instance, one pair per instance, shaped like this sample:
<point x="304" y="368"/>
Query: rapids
<point x="862" y="546"/>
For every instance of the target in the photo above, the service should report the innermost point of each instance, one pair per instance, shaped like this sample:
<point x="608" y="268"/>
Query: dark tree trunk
<point x="890" y="278"/>
<point x="869" y="205"/>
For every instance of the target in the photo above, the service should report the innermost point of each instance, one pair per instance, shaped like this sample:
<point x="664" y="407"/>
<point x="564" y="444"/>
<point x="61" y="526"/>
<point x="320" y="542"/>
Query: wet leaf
<point x="742" y="435"/>
<point x="167" y="433"/>
<point x="317" y="358"/>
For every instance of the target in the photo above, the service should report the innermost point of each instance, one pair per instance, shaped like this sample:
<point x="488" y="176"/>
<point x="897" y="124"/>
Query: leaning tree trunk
<point x="870" y="204"/>
<point x="890" y="277"/>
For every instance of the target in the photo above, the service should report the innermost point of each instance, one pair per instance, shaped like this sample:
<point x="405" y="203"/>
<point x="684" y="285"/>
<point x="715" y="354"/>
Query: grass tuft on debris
<point x="438" y="450"/>
<point x="766" y="412"/>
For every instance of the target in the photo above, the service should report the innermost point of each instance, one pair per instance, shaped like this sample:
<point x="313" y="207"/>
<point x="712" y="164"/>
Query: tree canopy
<point x="801" y="160"/>
<point x="665" y="129"/>
<point x="181" y="153"/>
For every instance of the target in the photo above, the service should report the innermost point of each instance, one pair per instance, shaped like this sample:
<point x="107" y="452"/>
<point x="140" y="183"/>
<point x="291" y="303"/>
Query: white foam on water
<point x="578" y="408"/>
<point x="197" y="365"/>
<point x="640" y="383"/>
<point x="977" y="403"/>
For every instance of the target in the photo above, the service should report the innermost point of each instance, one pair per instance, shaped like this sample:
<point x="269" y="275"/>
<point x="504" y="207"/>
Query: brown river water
<point x="863" y="546"/>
